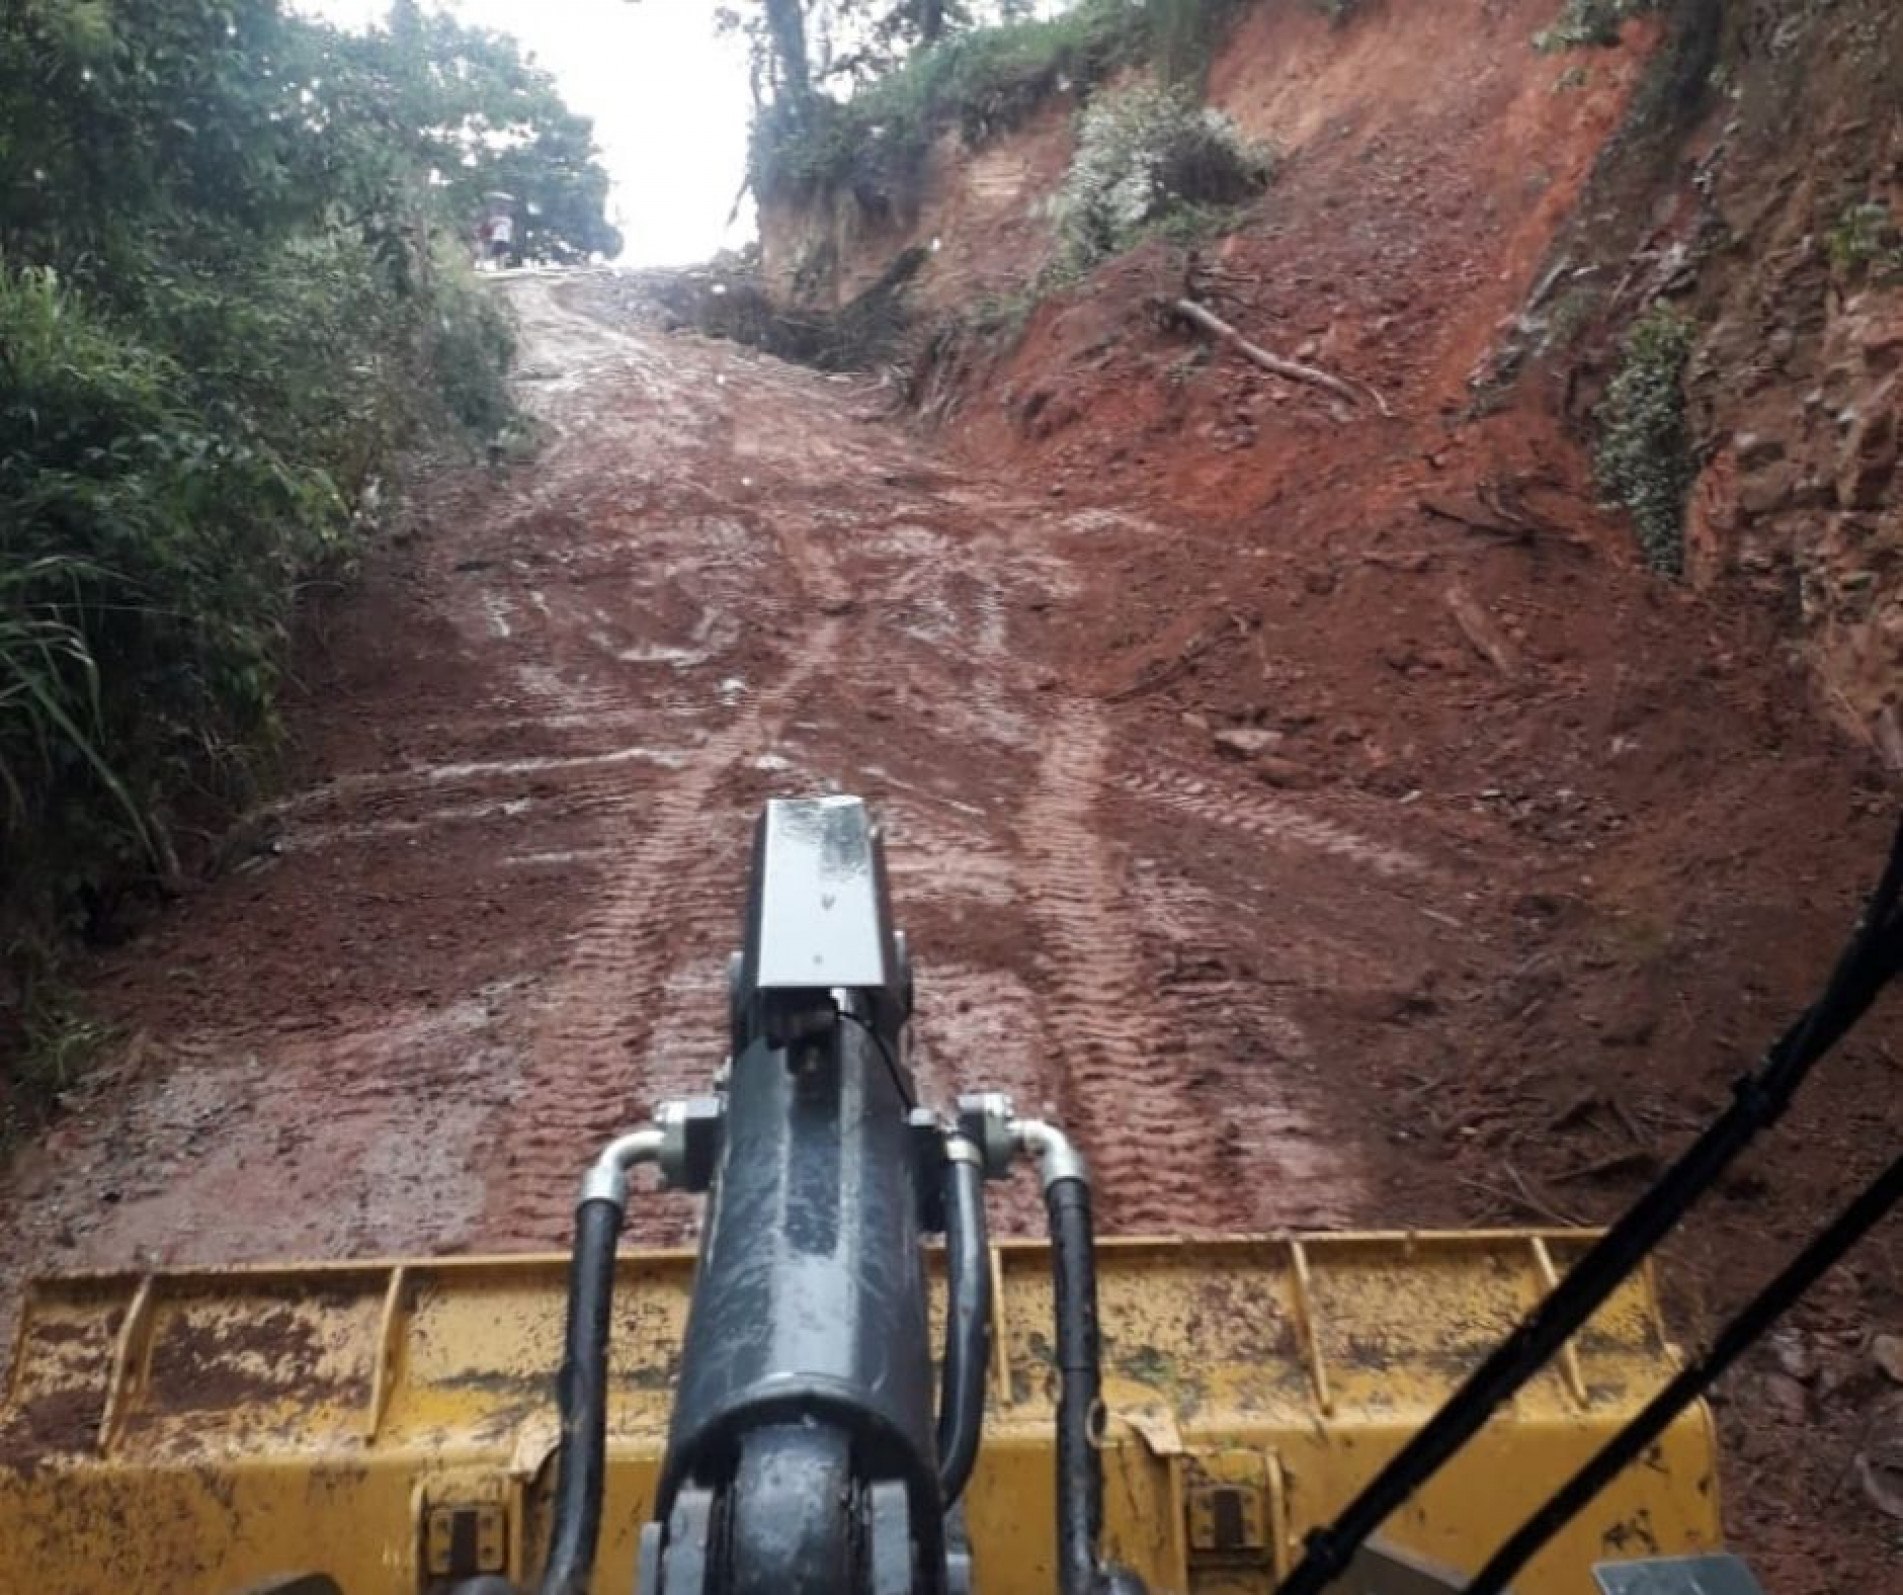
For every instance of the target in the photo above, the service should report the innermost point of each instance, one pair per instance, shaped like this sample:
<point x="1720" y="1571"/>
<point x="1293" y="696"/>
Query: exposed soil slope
<point x="1432" y="611"/>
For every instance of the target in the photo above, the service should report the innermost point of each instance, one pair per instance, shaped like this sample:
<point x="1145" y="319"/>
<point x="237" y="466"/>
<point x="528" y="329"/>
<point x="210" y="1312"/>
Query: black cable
<point x="582" y="1391"/>
<point x="885" y="1052"/>
<point x="1873" y="957"/>
<point x="1753" y="1320"/>
<point x="1079" y="1463"/>
<point x="961" y="1401"/>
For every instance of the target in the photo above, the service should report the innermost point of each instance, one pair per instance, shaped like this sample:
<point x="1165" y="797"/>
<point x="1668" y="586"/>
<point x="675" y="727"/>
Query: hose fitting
<point x="1057" y="1156"/>
<point x="607" y="1177"/>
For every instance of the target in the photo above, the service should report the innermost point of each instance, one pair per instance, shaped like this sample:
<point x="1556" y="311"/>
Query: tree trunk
<point x="787" y="23"/>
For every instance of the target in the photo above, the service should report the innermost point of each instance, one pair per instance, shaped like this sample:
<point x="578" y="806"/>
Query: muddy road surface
<point x="1215" y="839"/>
<point x="488" y="927"/>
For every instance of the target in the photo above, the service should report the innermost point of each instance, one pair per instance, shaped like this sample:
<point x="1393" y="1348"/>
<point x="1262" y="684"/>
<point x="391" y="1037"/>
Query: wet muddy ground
<point x="1410" y="967"/>
<point x="489" y="928"/>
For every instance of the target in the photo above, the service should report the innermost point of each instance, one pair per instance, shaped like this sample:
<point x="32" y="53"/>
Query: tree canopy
<point x="475" y="116"/>
<point x="850" y="93"/>
<point x="802" y="47"/>
<point x="234" y="290"/>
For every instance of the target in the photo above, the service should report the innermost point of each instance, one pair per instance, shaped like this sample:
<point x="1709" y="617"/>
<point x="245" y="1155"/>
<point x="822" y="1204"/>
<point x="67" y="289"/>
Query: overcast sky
<point x="669" y="101"/>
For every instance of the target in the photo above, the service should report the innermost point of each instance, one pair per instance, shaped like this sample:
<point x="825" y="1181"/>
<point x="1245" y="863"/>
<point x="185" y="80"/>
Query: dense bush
<point x="981" y="81"/>
<point x="233" y="292"/>
<point x="1644" y="458"/>
<point x="1584" y="24"/>
<point x="154" y="535"/>
<point x="1866" y="242"/>
<point x="1143" y="156"/>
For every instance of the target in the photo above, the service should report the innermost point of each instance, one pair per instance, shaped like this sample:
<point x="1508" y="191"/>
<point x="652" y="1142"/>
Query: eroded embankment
<point x="1433" y="616"/>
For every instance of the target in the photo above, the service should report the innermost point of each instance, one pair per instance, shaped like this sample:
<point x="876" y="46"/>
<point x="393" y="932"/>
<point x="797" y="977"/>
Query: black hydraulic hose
<point x="1752" y="1321"/>
<point x="1873" y="957"/>
<point x="1079" y="1464"/>
<point x="582" y="1392"/>
<point x="961" y="1400"/>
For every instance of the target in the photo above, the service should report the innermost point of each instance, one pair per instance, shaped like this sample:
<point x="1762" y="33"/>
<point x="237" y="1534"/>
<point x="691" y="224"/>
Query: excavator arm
<point x="1103" y="1416"/>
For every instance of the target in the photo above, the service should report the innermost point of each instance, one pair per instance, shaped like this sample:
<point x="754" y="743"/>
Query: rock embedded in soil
<point x="1867" y="465"/>
<point x="1285" y="773"/>
<point x="1247" y="742"/>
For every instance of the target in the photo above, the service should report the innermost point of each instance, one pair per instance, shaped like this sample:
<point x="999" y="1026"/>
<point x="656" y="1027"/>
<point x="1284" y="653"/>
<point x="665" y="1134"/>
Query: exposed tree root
<point x="1481" y="633"/>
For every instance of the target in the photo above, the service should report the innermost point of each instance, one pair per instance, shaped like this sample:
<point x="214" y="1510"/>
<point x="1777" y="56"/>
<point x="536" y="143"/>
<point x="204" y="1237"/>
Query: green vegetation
<point x="1644" y="458"/>
<point x="1151" y="158"/>
<point x="1573" y="312"/>
<point x="462" y="113"/>
<point x="1150" y="161"/>
<point x="1183" y="35"/>
<point x="1866" y="243"/>
<point x="980" y="80"/>
<point x="56" y="1042"/>
<point x="234" y="290"/>
<point x="1589" y="24"/>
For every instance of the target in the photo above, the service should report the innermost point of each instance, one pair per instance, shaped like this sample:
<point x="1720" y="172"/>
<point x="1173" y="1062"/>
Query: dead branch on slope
<point x="1294" y="371"/>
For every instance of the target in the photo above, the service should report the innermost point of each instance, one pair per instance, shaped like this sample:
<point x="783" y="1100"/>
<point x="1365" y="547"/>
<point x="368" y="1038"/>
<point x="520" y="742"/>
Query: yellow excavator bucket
<point x="392" y="1425"/>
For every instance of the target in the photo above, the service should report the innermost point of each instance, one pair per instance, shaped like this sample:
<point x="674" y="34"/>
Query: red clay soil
<point x="1465" y="946"/>
<point x="1527" y="857"/>
<point x="1649" y="843"/>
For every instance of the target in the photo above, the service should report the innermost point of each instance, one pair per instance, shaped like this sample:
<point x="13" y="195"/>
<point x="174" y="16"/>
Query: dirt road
<point x="1475" y="945"/>
<point x="490" y="927"/>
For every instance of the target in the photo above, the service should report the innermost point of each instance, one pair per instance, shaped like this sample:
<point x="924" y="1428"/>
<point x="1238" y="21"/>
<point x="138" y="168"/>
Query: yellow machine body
<point x="392" y="1424"/>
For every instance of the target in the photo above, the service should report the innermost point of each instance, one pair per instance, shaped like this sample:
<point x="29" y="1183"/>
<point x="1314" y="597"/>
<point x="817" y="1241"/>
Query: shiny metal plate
<point x="822" y="887"/>
<point x="1677" y="1575"/>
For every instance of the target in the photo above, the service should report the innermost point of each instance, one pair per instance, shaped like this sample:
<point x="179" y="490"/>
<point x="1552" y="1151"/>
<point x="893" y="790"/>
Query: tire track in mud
<point x="1147" y="1143"/>
<point x="501" y="917"/>
<point x="1269" y="819"/>
<point x="619" y="1029"/>
<point x="501" y="794"/>
<point x="1242" y="1056"/>
<point x="636" y="1012"/>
